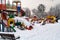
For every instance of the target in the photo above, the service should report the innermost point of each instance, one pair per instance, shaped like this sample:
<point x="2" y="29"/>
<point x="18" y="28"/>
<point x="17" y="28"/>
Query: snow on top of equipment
<point x="42" y="32"/>
<point x="21" y="19"/>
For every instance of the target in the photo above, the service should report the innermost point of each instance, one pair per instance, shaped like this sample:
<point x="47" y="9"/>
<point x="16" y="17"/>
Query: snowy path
<point x="41" y="32"/>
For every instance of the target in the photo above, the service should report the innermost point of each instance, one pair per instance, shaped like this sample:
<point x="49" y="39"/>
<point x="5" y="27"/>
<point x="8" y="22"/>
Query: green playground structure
<point x="12" y="27"/>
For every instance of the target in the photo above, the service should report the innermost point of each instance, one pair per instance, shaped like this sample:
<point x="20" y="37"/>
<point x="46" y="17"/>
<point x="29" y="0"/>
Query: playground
<point x="15" y="25"/>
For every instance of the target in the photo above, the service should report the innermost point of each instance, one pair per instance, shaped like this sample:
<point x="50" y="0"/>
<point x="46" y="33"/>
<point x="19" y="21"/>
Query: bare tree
<point x="35" y="11"/>
<point x="41" y="8"/>
<point x="55" y="11"/>
<point x="40" y="12"/>
<point x="27" y="11"/>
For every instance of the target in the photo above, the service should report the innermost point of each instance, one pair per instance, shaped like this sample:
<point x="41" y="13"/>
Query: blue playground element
<point x="3" y="26"/>
<point x="18" y="8"/>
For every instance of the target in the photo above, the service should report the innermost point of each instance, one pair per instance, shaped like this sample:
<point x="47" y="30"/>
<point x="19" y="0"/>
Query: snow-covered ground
<point x="41" y="32"/>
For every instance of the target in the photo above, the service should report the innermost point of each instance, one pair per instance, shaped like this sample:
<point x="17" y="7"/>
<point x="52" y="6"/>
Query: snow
<point x="41" y="32"/>
<point x="21" y="19"/>
<point x="49" y="31"/>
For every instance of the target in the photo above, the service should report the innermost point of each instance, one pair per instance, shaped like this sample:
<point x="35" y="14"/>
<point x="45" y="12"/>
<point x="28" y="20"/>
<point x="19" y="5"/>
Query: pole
<point x="3" y="8"/>
<point x="0" y="20"/>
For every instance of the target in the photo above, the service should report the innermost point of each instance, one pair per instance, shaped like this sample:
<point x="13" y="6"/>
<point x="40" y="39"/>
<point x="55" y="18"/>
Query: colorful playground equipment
<point x="51" y="19"/>
<point x="22" y="22"/>
<point x="10" y="21"/>
<point x="34" y="19"/>
<point x="11" y="24"/>
<point x="7" y="18"/>
<point x="3" y="20"/>
<point x="17" y="6"/>
<point x="2" y="4"/>
<point x="40" y="20"/>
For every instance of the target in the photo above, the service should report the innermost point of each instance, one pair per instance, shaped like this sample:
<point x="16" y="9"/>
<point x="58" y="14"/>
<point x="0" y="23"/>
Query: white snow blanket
<point x="21" y="19"/>
<point x="41" y="32"/>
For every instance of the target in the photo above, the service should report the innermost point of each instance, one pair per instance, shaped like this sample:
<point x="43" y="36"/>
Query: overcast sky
<point x="31" y="4"/>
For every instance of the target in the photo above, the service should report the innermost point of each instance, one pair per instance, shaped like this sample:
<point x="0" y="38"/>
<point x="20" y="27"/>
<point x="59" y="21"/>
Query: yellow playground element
<point x="10" y="21"/>
<point x="51" y="19"/>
